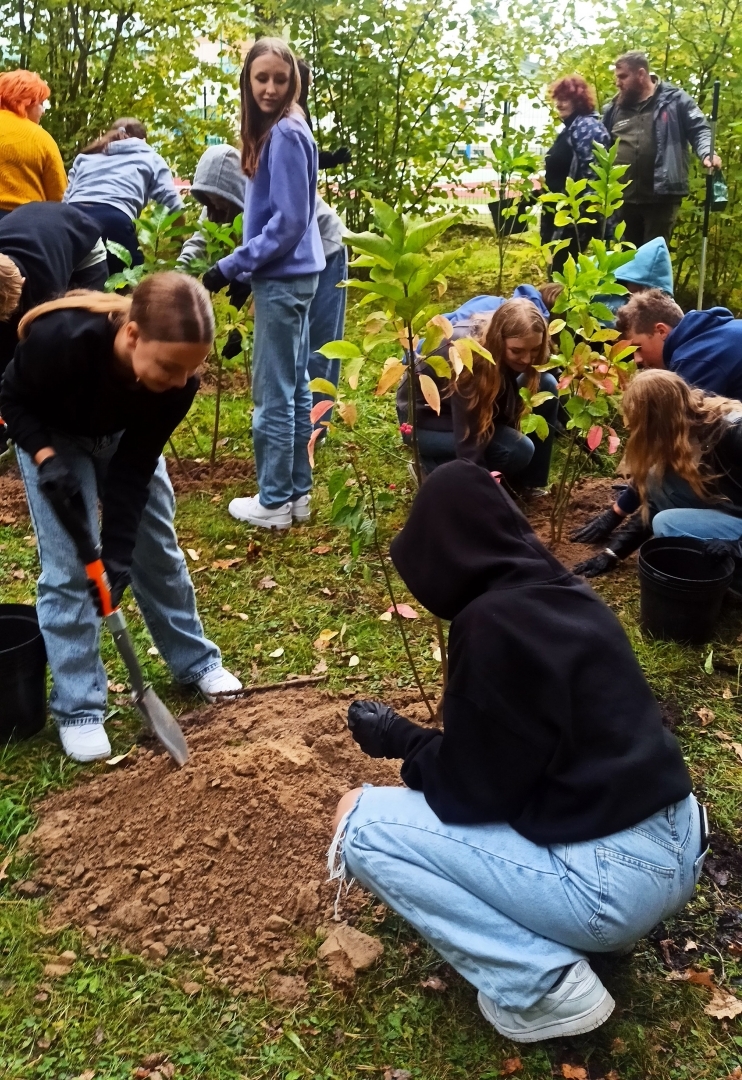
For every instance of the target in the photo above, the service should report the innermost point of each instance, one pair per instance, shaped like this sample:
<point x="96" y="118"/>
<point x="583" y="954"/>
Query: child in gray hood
<point x="219" y="185"/>
<point x="114" y="178"/>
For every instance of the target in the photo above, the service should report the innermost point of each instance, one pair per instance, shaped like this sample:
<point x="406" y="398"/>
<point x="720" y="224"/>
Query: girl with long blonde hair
<point x="684" y="457"/>
<point x="281" y="257"/>
<point x="97" y="385"/>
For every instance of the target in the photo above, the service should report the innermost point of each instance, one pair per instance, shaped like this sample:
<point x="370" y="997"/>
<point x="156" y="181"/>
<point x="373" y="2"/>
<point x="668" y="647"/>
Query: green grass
<point x="113" y="1008"/>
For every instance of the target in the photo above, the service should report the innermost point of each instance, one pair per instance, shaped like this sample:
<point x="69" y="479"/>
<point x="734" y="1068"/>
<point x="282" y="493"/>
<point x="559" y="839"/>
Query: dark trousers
<point x="117" y="226"/>
<point x="647" y="221"/>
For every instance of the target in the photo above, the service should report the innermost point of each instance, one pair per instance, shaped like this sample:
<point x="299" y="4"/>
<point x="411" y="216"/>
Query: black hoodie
<point x="548" y="722"/>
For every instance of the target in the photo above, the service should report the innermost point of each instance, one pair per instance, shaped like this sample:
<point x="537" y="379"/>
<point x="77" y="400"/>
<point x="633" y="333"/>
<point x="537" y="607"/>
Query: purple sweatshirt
<point x="280" y="235"/>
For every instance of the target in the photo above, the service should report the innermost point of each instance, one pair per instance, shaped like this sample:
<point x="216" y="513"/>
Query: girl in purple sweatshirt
<point x="281" y="256"/>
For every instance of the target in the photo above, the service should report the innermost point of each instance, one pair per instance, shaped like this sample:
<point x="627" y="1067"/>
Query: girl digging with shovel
<point x="97" y="385"/>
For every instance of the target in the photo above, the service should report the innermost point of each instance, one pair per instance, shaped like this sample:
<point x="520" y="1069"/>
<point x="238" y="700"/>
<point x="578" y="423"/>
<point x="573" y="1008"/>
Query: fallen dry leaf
<point x="4" y="867"/>
<point x="722" y="735"/>
<point x="131" y="752"/>
<point x="20" y="575"/>
<point x="354" y="661"/>
<point x="404" y="610"/>
<point x="323" y="549"/>
<point x="195" y="555"/>
<point x="434" y="983"/>
<point x="510" y="1066"/>
<point x="397" y="1074"/>
<point x="242" y="615"/>
<point x="574" y="1072"/>
<point x="706" y="716"/>
<point x="437" y="654"/>
<point x="386" y="616"/>
<point x="723" y="1005"/>
<point x="690" y="945"/>
<point x="324" y="639"/>
<point x="698" y="978"/>
<point x="117" y="687"/>
<point x="276" y="653"/>
<point x="225" y="564"/>
<point x="153" y="651"/>
<point x="190" y="988"/>
<point x="727" y="693"/>
<point x="89" y="1074"/>
<point x="267" y="583"/>
<point x="736" y="1074"/>
<point x="320" y="668"/>
<point x="737" y="747"/>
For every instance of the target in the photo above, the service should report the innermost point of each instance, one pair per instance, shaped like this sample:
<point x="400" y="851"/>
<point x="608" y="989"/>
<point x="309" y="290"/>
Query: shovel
<point x="157" y="717"/>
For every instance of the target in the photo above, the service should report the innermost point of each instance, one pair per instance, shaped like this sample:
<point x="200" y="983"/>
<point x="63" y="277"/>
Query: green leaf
<point x="535" y="424"/>
<point x="323" y="386"/>
<point x="708" y="666"/>
<point x="405" y="267"/>
<point x="377" y="246"/>
<point x="391" y="292"/>
<point x="340" y="350"/>
<point x="120" y="252"/>
<point x="352" y="370"/>
<point x="423" y="233"/>
<point x="337" y="481"/>
<point x="440" y="365"/>
<point x="602" y="312"/>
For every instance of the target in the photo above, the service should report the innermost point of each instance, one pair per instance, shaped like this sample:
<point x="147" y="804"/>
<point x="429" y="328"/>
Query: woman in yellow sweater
<point x="31" y="168"/>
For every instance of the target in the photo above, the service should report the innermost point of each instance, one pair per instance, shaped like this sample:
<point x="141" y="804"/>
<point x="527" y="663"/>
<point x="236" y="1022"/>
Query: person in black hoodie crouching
<point x="552" y="816"/>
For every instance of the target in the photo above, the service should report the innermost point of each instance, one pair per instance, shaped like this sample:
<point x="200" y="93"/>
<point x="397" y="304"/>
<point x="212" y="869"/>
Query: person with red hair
<point x="571" y="154"/>
<point x="31" y="168"/>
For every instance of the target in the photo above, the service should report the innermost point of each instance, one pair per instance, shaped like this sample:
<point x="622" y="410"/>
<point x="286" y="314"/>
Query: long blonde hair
<point x="672" y="427"/>
<point x="166" y="306"/>
<point x="480" y="387"/>
<point x="255" y="127"/>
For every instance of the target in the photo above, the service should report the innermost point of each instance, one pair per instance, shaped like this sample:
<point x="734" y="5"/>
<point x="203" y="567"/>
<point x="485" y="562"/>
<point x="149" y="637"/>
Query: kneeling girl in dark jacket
<point x="552" y="815"/>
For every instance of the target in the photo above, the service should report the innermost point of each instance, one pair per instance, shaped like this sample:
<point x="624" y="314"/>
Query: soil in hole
<point x="191" y="475"/>
<point x="225" y="857"/>
<point x="591" y="495"/>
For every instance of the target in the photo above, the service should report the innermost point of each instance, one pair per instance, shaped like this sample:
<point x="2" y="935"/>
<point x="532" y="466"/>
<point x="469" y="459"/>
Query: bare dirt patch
<point x="190" y="475"/>
<point x="13" y="505"/>
<point x="591" y="495"/>
<point x="225" y="857"/>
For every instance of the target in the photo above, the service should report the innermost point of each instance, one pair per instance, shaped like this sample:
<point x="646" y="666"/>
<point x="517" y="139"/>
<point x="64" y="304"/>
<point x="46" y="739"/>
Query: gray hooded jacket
<point x="127" y="175"/>
<point x="219" y="172"/>
<point x="678" y="121"/>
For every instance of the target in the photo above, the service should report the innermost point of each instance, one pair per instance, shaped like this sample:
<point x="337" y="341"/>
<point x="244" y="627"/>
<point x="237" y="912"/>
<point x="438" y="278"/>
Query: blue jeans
<point x="281" y="427"/>
<point x="159" y="577"/>
<point x="678" y="511"/>
<point x="508" y="914"/>
<point x="327" y="322"/>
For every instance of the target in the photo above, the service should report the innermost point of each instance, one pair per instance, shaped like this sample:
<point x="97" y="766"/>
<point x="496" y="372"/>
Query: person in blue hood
<point x="650" y="268"/>
<point x="114" y="178"/>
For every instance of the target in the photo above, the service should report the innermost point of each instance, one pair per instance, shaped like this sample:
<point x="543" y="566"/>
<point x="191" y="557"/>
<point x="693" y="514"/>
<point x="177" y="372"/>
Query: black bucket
<point x="682" y="588"/>
<point x="22" y="673"/>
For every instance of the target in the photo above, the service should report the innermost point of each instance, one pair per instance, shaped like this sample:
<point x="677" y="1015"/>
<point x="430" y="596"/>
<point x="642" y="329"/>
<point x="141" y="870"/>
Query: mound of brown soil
<point x="225" y="857"/>
<point x="13" y="505"/>
<point x="590" y="496"/>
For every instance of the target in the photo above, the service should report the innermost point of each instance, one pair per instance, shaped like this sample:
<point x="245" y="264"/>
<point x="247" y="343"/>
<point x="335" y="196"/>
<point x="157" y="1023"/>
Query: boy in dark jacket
<point x="655" y="123"/>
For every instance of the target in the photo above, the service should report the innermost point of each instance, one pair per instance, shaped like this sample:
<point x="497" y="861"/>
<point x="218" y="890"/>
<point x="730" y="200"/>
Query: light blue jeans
<point x="160" y="583"/>
<point x="327" y="323"/>
<point x="701" y="524"/>
<point x="508" y="914"/>
<point x="281" y="427"/>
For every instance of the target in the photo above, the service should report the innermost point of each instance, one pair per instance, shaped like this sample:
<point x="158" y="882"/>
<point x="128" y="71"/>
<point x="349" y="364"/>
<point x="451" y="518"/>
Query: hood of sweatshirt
<point x="219" y="172"/>
<point x="706" y="332"/>
<point x="650" y="267"/>
<point x="129" y="146"/>
<point x="465" y="537"/>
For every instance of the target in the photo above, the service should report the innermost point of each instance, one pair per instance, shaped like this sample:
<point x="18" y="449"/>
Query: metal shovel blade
<point x="163" y="725"/>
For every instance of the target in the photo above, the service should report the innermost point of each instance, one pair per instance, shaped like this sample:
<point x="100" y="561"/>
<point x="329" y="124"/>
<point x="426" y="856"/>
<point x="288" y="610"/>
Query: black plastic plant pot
<point x="682" y="588"/>
<point x="22" y="673"/>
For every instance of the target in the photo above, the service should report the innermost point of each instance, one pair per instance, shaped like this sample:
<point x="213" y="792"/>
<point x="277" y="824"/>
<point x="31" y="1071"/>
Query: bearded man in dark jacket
<point x="655" y="123"/>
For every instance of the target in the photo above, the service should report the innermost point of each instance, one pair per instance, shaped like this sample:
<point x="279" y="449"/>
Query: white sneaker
<point x="85" y="742"/>
<point x="300" y="508"/>
<point x="579" y="1003"/>
<point x="218" y="681"/>
<point x="254" y="513"/>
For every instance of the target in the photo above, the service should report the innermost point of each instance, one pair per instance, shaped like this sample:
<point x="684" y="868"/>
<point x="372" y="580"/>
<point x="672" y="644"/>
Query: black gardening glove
<point x="330" y="159"/>
<point x="719" y="549"/>
<point x="598" y="528"/>
<point x="599" y="564"/>
<point x="233" y="345"/>
<point x="214" y="280"/>
<point x="239" y="293"/>
<point x="119" y="576"/>
<point x="371" y="724"/>
<point x="56" y="481"/>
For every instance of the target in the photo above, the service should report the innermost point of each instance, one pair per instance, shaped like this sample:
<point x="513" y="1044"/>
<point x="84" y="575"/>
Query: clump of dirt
<point x="190" y="475"/>
<point x="590" y="496"/>
<point x="225" y="857"/>
<point x="13" y="505"/>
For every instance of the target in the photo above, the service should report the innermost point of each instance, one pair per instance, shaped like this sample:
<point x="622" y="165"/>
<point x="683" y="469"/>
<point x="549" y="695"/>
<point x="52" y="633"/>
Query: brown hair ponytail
<point x="166" y="307"/>
<point x="127" y="127"/>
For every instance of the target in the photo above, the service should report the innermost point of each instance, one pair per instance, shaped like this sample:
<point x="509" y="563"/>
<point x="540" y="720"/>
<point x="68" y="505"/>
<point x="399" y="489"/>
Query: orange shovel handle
<point x="96" y="572"/>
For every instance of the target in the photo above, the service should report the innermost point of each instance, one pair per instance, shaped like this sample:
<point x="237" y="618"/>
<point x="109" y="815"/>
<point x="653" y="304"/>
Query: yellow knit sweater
<point x="31" y="168"/>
